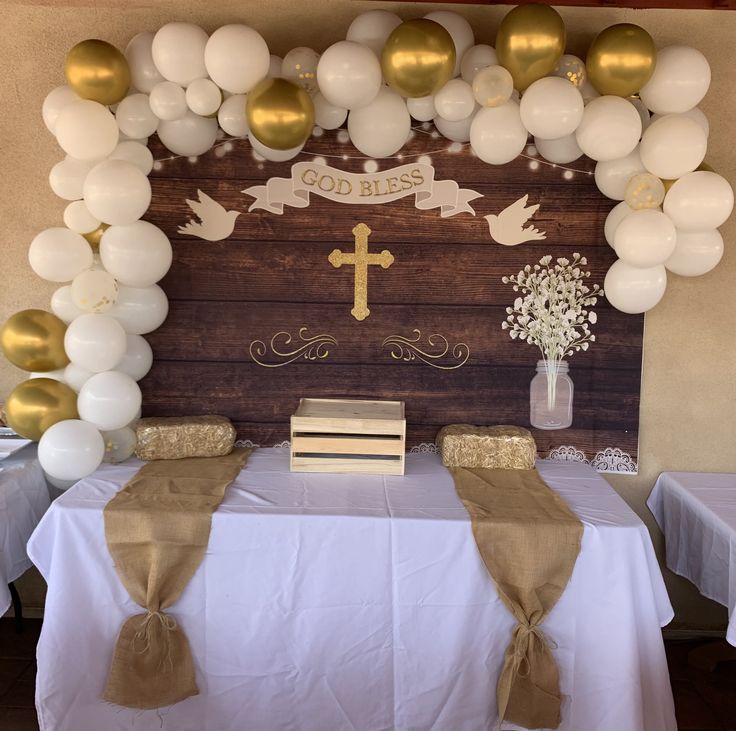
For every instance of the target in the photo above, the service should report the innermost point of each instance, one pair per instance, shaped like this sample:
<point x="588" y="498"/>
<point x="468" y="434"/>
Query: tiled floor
<point x="705" y="699"/>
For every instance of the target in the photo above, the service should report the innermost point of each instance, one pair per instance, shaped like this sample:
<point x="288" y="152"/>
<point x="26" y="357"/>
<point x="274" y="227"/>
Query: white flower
<point x="592" y="317"/>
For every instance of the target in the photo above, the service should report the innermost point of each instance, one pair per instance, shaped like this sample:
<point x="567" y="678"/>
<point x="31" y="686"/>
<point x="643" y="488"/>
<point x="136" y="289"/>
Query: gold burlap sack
<point x="487" y="447"/>
<point x="180" y="437"/>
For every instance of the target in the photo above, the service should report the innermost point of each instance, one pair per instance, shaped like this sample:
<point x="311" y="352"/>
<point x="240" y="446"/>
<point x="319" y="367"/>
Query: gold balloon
<point x="529" y="43"/>
<point x="621" y="59"/>
<point x="94" y="237"/>
<point x="34" y="341"/>
<point x="280" y="114"/>
<point x="97" y="70"/>
<point x="418" y="58"/>
<point x="38" y="403"/>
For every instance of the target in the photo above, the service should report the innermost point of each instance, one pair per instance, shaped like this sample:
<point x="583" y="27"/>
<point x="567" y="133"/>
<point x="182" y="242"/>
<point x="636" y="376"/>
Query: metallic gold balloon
<point x="621" y="59"/>
<point x="34" y="341"/>
<point x="529" y="43"/>
<point x="280" y="114"/>
<point x="97" y="70"/>
<point x="38" y="403"/>
<point x="418" y="58"/>
<point x="94" y="237"/>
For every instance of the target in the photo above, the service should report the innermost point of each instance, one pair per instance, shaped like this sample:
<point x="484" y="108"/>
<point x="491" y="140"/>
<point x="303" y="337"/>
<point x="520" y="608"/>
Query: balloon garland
<point x="629" y="107"/>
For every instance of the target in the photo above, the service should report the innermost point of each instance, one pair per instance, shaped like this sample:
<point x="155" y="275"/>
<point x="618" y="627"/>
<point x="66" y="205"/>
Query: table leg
<point x="17" y="607"/>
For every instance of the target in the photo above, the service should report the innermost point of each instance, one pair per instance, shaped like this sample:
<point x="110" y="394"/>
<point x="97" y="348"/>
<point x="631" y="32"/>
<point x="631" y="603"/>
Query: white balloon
<point x="455" y="100"/>
<point x="76" y="376"/>
<point x="203" y="97"/>
<point x="135" y="116"/>
<point x="699" y="201"/>
<point x="58" y="254"/>
<point x="300" y="67"/>
<point x="178" y="51"/>
<point x="70" y="450"/>
<point x="632" y="289"/>
<point x="456" y="131"/>
<point x="109" y="400"/>
<point x="563" y="150"/>
<point x="610" y="128"/>
<point x="231" y="115"/>
<point x="62" y="305"/>
<point x="612" y="176"/>
<point x="459" y="29"/>
<point x="475" y="59"/>
<point x="267" y="153"/>
<point x="168" y="101"/>
<point x="381" y="128"/>
<point x="493" y="86"/>
<point x="191" y="135"/>
<point x="117" y="192"/>
<point x="274" y="67"/>
<point x="695" y="253"/>
<point x="236" y="58"/>
<point x="94" y="290"/>
<point x="327" y="115"/>
<point x="119" y="444"/>
<point x="57" y="375"/>
<point x="67" y="177"/>
<point x="372" y="29"/>
<point x="645" y="238"/>
<point x="137" y="255"/>
<point x="138" y="358"/>
<point x="551" y="108"/>
<point x="422" y="108"/>
<point x="95" y="342"/>
<point x="143" y="72"/>
<point x="680" y="80"/>
<point x="640" y="107"/>
<point x="588" y="91"/>
<point x="497" y="135"/>
<point x="78" y="218"/>
<point x="672" y="146"/>
<point x="349" y="75"/>
<point x="86" y="130"/>
<point x="614" y="218"/>
<point x="54" y="102"/>
<point x="136" y="153"/>
<point x="696" y="114"/>
<point x="139" y="310"/>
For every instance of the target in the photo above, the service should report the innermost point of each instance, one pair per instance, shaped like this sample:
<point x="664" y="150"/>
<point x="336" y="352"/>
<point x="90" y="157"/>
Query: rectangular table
<point x="354" y="602"/>
<point x="697" y="514"/>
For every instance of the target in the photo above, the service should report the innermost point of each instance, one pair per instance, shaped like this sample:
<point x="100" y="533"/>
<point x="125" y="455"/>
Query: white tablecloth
<point x="24" y="498"/>
<point x="336" y="603"/>
<point x="697" y="514"/>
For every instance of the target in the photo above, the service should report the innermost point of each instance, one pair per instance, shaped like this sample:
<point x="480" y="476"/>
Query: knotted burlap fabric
<point x="529" y="540"/>
<point x="157" y="529"/>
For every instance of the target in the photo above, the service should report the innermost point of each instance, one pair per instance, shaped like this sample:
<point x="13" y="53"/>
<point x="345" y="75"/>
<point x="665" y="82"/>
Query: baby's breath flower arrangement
<point x="554" y="311"/>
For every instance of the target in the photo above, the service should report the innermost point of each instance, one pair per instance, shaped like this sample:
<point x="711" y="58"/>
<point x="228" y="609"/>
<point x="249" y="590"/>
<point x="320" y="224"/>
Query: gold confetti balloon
<point x="644" y="191"/>
<point x="529" y="43"/>
<point x="37" y="404"/>
<point x="300" y="66"/>
<point x="571" y="68"/>
<point x="97" y="70"/>
<point x="34" y="341"/>
<point x="621" y="60"/>
<point x="280" y="114"/>
<point x="418" y="58"/>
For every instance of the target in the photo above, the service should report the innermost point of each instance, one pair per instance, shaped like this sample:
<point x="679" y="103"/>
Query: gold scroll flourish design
<point x="406" y="349"/>
<point x="316" y="347"/>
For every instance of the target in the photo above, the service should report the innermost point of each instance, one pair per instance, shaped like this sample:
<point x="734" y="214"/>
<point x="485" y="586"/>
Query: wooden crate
<point x="333" y="435"/>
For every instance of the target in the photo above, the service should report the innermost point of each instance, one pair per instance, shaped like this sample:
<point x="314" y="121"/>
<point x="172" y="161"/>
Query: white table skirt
<point x="335" y="602"/>
<point x="697" y="514"/>
<point x="24" y="498"/>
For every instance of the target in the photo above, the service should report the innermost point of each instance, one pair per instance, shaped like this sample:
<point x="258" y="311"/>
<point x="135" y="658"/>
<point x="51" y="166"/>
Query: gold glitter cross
<point x="361" y="259"/>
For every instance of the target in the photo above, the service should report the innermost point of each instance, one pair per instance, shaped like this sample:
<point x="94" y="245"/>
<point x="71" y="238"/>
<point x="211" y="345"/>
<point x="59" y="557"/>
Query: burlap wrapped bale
<point x="487" y="447"/>
<point x="179" y="437"/>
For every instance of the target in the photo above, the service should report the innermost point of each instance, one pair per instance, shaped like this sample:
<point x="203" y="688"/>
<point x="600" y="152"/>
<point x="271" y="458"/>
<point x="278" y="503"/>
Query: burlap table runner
<point x="157" y="529"/>
<point x="529" y="540"/>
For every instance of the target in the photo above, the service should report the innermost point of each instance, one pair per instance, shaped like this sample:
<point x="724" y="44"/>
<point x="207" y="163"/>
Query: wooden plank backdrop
<point x="234" y="303"/>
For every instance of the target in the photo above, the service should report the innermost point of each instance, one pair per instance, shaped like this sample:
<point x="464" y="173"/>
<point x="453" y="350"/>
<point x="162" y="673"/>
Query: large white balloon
<point x="135" y="116"/>
<point x="95" y="342"/>
<point x="139" y="310"/>
<point x="71" y="449"/>
<point x="76" y="376"/>
<point x="203" y="97"/>
<point x="138" y="357"/>
<point x="236" y="58"/>
<point x="614" y="218"/>
<point x="459" y="29"/>
<point x="191" y="135"/>
<point x="422" y="108"/>
<point x="645" y="238"/>
<point x="137" y="255"/>
<point x="672" y="146"/>
<point x="86" y="130"/>
<point x="349" y="75"/>
<point x="372" y="29"/>
<point x="696" y="113"/>
<point x="231" y="115"/>
<point x="456" y="131"/>
<point x="561" y="151"/>
<point x="94" y="290"/>
<point x="168" y="101"/>
<point x="117" y="192"/>
<point x="143" y="72"/>
<point x="632" y="289"/>
<point x="551" y="108"/>
<point x="67" y="177"/>
<point x="695" y="253"/>
<point x="62" y="305"/>
<point x="54" y="102"/>
<point x="109" y="400"/>
<point x="268" y="153"/>
<point x="58" y="254"/>
<point x="497" y="135"/>
<point x="119" y="444"/>
<point x="475" y="59"/>
<point x="381" y="128"/>
<point x="135" y="153"/>
<point x="79" y="219"/>
<point x="680" y="80"/>
<point x="612" y="176"/>
<point x="455" y="100"/>
<point x="610" y="128"/>
<point x="327" y="115"/>
<point x="178" y="52"/>
<point x="699" y="201"/>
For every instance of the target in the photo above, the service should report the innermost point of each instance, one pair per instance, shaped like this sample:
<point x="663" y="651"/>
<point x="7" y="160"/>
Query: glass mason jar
<point x="550" y="396"/>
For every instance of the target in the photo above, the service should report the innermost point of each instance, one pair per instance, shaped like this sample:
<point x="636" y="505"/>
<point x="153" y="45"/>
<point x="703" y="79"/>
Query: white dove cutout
<point x="507" y="227"/>
<point x="216" y="223"/>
